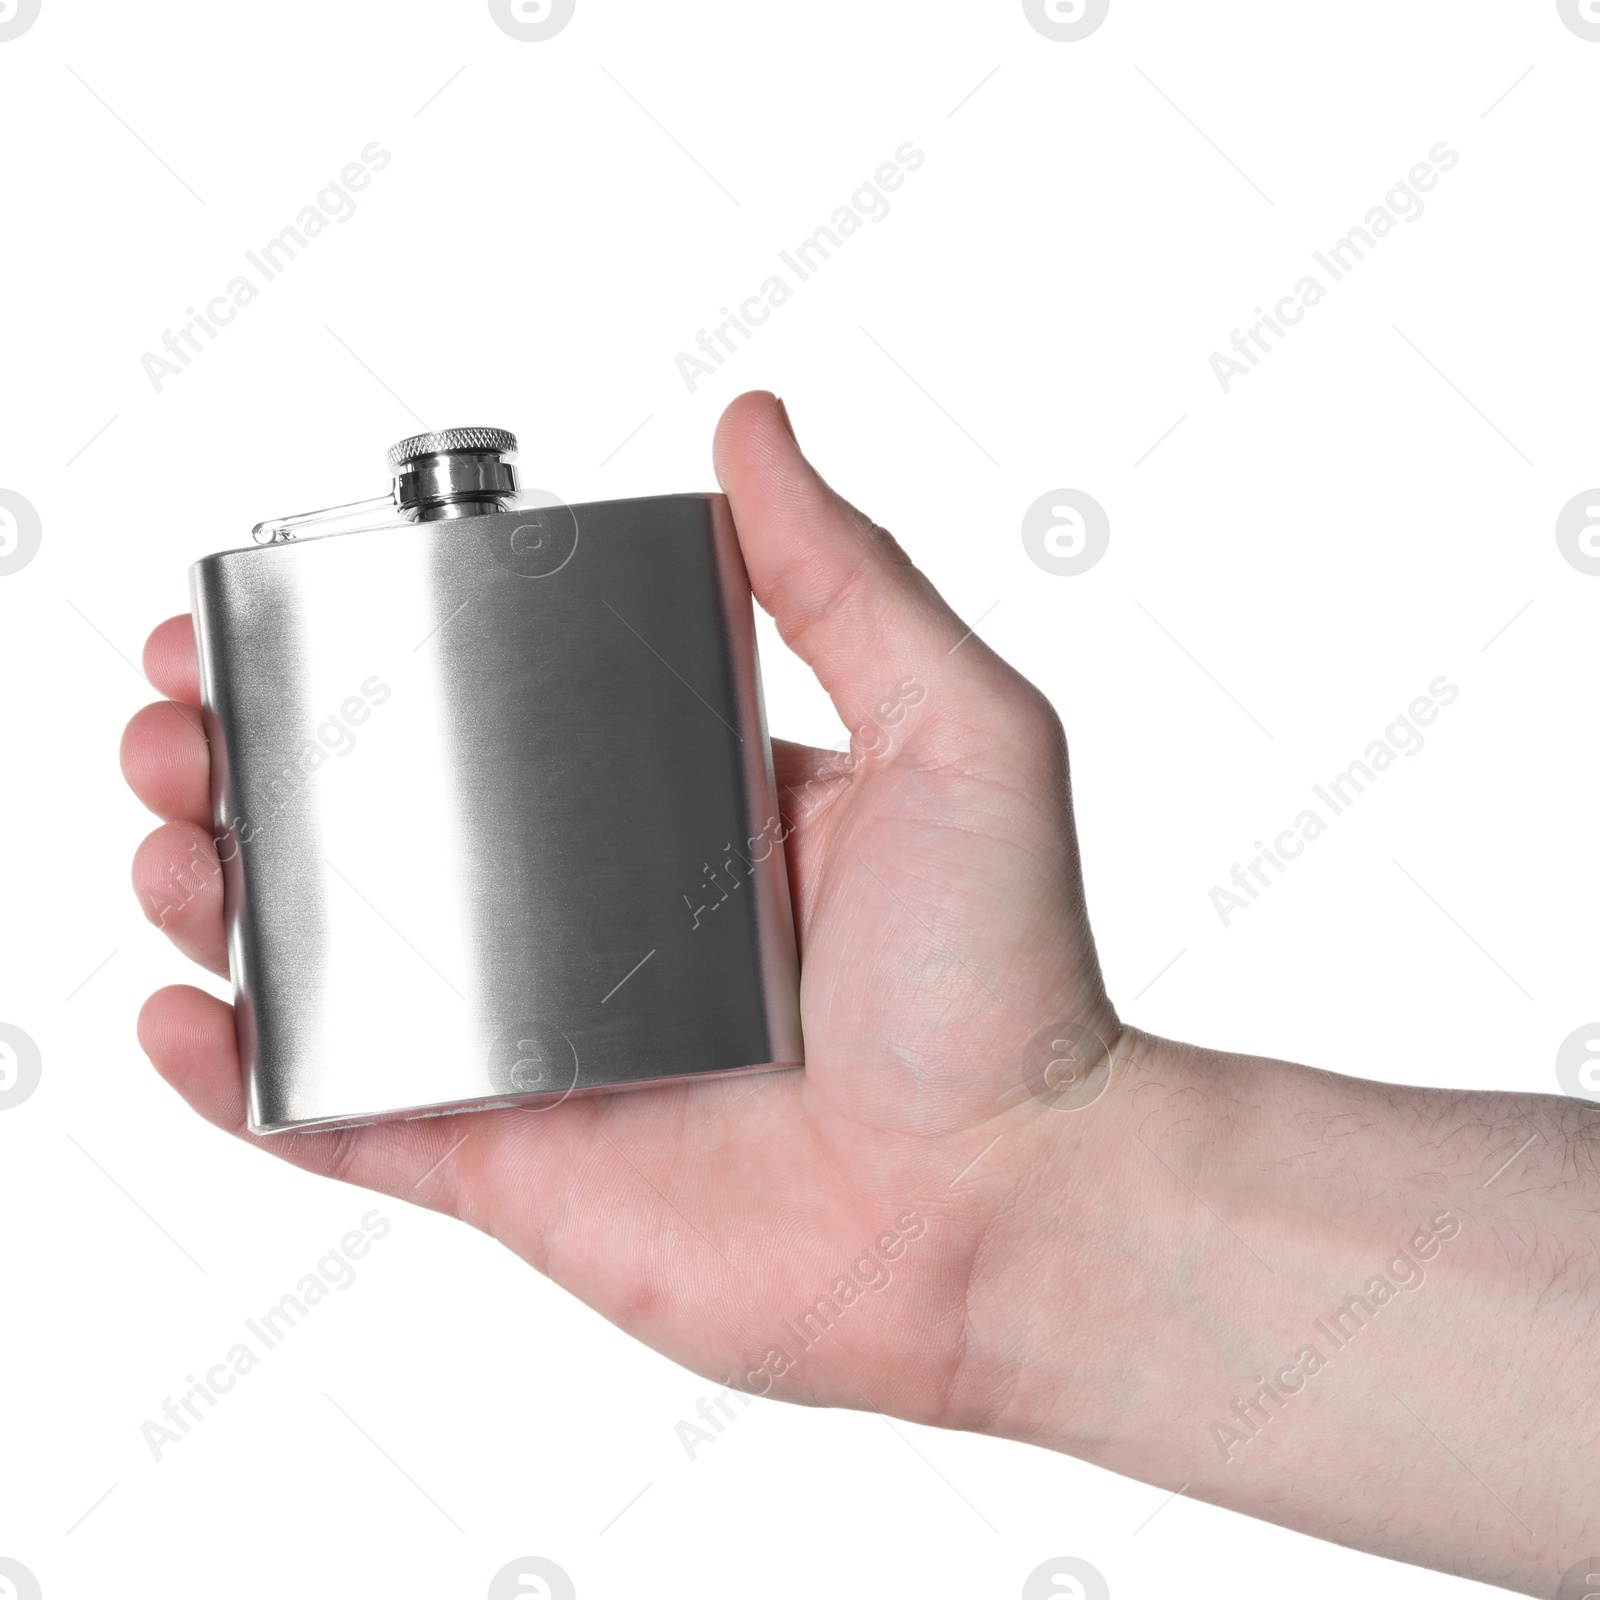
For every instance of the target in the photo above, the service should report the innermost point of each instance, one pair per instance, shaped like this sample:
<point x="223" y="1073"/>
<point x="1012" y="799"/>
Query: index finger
<point x="170" y="662"/>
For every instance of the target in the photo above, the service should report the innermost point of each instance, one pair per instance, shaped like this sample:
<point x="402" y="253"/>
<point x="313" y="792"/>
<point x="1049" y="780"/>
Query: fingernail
<point x="783" y="411"/>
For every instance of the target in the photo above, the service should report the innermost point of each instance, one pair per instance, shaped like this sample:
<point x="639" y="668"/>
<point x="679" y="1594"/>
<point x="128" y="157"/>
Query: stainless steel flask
<point x="493" y="796"/>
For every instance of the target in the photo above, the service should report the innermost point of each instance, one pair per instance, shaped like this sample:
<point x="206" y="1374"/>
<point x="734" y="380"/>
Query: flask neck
<point x="455" y="483"/>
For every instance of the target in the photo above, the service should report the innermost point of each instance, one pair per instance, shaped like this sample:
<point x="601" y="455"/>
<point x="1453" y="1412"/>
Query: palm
<point x="941" y="924"/>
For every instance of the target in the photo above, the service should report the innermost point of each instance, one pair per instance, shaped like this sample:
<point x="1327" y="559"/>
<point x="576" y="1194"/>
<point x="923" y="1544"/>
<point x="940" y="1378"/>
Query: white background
<point x="1368" y="510"/>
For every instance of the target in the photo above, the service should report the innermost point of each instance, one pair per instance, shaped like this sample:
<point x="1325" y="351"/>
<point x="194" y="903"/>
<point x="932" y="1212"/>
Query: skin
<point x="1107" y="1280"/>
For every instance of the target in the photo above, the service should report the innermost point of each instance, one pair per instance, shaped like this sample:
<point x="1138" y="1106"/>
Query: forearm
<point x="1362" y="1311"/>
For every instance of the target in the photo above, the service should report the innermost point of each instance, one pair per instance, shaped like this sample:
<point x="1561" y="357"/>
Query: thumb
<point x="845" y="597"/>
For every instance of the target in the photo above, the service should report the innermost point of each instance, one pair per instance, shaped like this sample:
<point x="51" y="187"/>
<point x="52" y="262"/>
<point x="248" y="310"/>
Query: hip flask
<point x="493" y="796"/>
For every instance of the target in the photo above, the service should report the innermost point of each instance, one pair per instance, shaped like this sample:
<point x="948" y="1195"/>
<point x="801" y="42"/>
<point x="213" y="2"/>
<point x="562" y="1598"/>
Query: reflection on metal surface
<point x="456" y="805"/>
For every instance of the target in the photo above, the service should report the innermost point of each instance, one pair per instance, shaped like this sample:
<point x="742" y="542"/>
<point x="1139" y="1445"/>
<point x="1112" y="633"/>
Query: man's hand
<point x="941" y="922"/>
<point x="1363" y="1311"/>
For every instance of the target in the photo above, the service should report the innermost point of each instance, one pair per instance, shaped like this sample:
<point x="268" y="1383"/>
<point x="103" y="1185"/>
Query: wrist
<point x="1309" y="1298"/>
<point x="1091" y="1211"/>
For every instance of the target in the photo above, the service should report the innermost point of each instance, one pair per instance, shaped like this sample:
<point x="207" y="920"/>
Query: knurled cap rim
<point x="432" y="444"/>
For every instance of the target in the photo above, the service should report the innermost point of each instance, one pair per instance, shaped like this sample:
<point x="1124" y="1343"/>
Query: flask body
<point x="495" y="806"/>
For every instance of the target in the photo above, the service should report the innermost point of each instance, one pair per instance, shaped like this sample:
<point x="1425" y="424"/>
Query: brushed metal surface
<point x="496" y="807"/>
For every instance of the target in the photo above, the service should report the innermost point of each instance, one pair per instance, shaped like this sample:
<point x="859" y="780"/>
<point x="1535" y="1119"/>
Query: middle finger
<point x="167" y="762"/>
